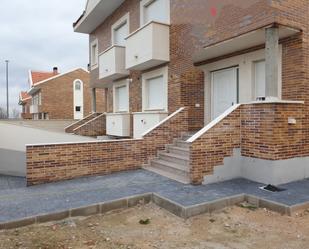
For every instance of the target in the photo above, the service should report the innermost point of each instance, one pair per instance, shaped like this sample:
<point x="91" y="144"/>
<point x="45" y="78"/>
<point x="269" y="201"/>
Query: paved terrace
<point x="18" y="202"/>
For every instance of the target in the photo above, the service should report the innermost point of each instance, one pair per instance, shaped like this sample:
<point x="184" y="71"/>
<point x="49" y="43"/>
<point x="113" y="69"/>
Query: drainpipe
<point x="94" y="100"/>
<point x="272" y="62"/>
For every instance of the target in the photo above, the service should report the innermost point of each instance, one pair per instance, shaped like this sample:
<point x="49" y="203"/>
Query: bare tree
<point x="15" y="113"/>
<point x="2" y="113"/>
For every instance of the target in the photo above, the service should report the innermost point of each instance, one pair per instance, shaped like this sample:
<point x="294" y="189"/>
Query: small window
<point x="259" y="79"/>
<point x="78" y="108"/>
<point x="121" y="97"/>
<point x="77" y="86"/>
<point x="120" y="30"/>
<point x="94" y="53"/>
<point x="155" y="90"/>
<point x="155" y="10"/>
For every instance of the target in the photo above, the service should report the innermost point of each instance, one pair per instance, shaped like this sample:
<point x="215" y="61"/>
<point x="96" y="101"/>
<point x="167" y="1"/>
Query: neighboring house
<point x="25" y="102"/>
<point x="234" y="74"/>
<point x="61" y="96"/>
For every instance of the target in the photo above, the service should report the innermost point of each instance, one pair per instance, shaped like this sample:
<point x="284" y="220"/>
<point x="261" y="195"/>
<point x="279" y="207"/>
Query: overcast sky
<point x="38" y="35"/>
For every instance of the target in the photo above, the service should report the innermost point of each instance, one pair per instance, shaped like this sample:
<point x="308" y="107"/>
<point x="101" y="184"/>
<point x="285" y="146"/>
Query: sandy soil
<point x="235" y="227"/>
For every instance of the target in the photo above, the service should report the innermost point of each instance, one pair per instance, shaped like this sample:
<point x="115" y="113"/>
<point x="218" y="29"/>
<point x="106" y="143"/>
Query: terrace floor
<point x="19" y="202"/>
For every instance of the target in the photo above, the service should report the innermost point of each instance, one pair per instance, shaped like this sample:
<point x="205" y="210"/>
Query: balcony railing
<point x="112" y="63"/>
<point x="147" y="47"/>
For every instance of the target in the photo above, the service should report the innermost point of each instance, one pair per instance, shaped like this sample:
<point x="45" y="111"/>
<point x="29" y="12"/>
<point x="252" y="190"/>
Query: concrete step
<point x="177" y="177"/>
<point x="178" y="150"/>
<point x="174" y="158"/>
<point x="170" y="167"/>
<point x="181" y="143"/>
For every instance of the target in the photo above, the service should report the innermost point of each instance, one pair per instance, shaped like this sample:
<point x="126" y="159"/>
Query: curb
<point x="169" y="205"/>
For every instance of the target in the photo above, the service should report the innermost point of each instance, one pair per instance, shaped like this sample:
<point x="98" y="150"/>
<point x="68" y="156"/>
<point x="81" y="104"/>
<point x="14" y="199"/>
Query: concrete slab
<point x="126" y="189"/>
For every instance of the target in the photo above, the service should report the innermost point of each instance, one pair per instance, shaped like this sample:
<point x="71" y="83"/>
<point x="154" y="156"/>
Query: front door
<point x="224" y="90"/>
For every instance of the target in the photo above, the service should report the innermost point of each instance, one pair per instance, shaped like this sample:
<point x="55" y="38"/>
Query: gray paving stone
<point x="19" y="202"/>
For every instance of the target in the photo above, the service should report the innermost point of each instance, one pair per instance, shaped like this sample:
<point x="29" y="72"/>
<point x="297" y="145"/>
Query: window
<point x="155" y="10"/>
<point x="121" y="97"/>
<point x="120" y="30"/>
<point x="259" y="79"/>
<point x="78" y="85"/>
<point x="94" y="53"/>
<point x="78" y="108"/>
<point x="155" y="90"/>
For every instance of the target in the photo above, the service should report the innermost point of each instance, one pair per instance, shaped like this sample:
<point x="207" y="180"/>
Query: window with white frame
<point x="120" y="30"/>
<point x="259" y="79"/>
<point x="154" y="10"/>
<point x="155" y="90"/>
<point x="94" y="51"/>
<point x="78" y="85"/>
<point x="121" y="96"/>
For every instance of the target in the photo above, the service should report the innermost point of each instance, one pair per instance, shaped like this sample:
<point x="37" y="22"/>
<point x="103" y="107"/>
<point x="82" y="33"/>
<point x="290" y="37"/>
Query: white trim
<point x="144" y="3"/>
<point x="121" y="83"/>
<point x="124" y="20"/>
<point x="58" y="75"/>
<point x="213" y="123"/>
<point x="275" y="102"/>
<point x="30" y="78"/>
<point x="163" y="121"/>
<point x="96" y="63"/>
<point x="91" y="120"/>
<point x="81" y="99"/>
<point x="163" y="71"/>
<point x="78" y="121"/>
<point x="85" y="142"/>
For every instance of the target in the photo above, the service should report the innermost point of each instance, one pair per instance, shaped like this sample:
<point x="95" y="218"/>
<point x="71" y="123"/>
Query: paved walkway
<point x="17" y="201"/>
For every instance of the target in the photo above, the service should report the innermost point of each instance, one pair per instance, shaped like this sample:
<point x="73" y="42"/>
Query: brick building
<point x="25" y="102"/>
<point x="59" y="96"/>
<point x="234" y="73"/>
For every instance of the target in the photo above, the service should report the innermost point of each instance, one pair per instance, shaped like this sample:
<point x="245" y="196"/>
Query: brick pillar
<point x="272" y="62"/>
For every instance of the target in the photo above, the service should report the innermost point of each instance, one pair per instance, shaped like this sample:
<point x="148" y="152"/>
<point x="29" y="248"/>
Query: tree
<point x="15" y="113"/>
<point x="2" y="113"/>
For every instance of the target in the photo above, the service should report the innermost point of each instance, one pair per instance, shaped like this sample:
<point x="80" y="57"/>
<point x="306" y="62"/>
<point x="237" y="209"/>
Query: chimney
<point x="55" y="70"/>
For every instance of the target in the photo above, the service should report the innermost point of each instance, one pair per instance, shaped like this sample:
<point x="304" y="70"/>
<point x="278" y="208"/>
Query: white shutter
<point x="121" y="95"/>
<point x="260" y="85"/>
<point x="120" y="34"/>
<point x="156" y="11"/>
<point x="155" y="93"/>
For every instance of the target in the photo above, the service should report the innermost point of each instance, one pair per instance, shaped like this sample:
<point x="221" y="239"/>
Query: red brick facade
<point x="49" y="163"/>
<point x="259" y="130"/>
<point x="25" y="113"/>
<point x="195" y="24"/>
<point x="57" y="95"/>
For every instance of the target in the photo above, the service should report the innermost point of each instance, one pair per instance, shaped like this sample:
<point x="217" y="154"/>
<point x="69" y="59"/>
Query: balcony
<point x="112" y="63"/>
<point x="118" y="124"/>
<point x="143" y="121"/>
<point x="147" y="47"/>
<point x="34" y="109"/>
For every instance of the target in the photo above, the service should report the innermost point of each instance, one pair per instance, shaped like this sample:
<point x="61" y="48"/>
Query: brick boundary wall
<point x="94" y="127"/>
<point x="261" y="130"/>
<point x="56" y="162"/>
<point x="70" y="128"/>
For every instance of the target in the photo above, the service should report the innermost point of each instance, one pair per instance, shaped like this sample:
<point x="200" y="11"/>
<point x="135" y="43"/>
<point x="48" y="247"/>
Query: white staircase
<point x="174" y="162"/>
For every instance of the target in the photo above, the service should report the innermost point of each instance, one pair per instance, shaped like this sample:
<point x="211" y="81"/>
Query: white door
<point x="78" y="99"/>
<point x="224" y="90"/>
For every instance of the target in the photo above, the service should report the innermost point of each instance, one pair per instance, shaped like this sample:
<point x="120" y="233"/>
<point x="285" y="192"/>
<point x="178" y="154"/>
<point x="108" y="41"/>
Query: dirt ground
<point x="234" y="227"/>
